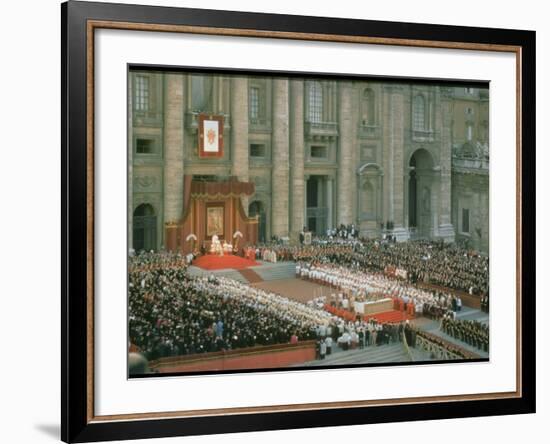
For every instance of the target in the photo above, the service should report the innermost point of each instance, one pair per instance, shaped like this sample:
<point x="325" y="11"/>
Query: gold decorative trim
<point x="92" y="25"/>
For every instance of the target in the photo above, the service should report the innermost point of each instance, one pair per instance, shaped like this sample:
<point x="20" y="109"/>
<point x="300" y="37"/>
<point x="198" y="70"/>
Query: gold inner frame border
<point x="92" y="25"/>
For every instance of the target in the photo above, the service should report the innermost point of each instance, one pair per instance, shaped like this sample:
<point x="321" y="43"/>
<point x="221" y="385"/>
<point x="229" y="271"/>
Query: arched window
<point x="368" y="107"/>
<point x="315" y="102"/>
<point x="144" y="228"/>
<point x="419" y="113"/>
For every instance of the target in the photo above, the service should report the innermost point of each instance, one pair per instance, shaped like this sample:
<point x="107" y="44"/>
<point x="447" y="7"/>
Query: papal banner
<point x="210" y="136"/>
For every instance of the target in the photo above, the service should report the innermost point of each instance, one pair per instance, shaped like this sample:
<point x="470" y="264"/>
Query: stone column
<point x="174" y="110"/>
<point x="347" y="130"/>
<point x="329" y="202"/>
<point x="131" y="148"/>
<point x="446" y="229"/>
<point x="484" y="222"/>
<point x="280" y="147"/>
<point x="394" y="153"/>
<point x="173" y="147"/>
<point x="239" y="131"/>
<point x="306" y="180"/>
<point x="387" y="159"/>
<point x="436" y="179"/>
<point x="297" y="184"/>
<point x="398" y="152"/>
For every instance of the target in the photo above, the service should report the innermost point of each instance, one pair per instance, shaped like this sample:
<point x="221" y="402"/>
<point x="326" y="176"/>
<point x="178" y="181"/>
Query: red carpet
<point x="389" y="317"/>
<point x="215" y="262"/>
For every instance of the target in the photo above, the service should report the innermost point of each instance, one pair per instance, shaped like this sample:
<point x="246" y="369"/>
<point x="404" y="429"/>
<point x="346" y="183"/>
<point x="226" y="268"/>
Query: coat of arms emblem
<point x="211" y="136"/>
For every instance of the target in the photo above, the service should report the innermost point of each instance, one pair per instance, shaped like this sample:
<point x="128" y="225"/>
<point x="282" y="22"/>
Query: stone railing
<point x="192" y="120"/>
<point x="320" y="130"/>
<point x="406" y="347"/>
<point x="423" y="135"/>
<point x="470" y="163"/>
<point x="369" y="131"/>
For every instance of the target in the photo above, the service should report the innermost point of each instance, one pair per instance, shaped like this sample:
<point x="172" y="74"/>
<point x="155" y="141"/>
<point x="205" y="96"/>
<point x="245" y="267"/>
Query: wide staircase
<point x="381" y="354"/>
<point x="265" y="272"/>
<point x="230" y="274"/>
<point x="272" y="272"/>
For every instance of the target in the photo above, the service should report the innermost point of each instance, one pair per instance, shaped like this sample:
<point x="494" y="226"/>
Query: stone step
<point x="368" y="355"/>
<point x="273" y="272"/>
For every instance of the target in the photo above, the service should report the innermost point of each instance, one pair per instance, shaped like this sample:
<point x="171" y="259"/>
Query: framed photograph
<point x="258" y="205"/>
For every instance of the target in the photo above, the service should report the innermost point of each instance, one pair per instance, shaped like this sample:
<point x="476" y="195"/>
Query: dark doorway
<point x="145" y="228"/>
<point x="420" y="194"/>
<point x="316" y="203"/>
<point x="412" y="195"/>
<point x="256" y="208"/>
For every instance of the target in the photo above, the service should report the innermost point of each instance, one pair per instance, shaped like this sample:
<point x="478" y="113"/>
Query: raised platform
<point x="370" y="308"/>
<point x="215" y="262"/>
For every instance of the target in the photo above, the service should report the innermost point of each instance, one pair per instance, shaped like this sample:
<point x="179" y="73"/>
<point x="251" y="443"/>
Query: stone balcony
<point x="192" y="120"/>
<point x="423" y="135"/>
<point x="477" y="164"/>
<point x="321" y="130"/>
<point x="369" y="131"/>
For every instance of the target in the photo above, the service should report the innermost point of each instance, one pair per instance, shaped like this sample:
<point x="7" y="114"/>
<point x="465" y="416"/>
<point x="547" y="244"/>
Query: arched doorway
<point x="145" y="228"/>
<point x="257" y="208"/>
<point x="420" y="194"/>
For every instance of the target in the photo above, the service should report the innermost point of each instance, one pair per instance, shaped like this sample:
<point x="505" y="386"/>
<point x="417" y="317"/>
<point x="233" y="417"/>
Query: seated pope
<point x="216" y="246"/>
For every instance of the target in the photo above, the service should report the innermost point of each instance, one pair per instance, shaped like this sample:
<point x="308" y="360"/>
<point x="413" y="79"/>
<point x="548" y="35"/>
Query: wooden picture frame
<point x="80" y="20"/>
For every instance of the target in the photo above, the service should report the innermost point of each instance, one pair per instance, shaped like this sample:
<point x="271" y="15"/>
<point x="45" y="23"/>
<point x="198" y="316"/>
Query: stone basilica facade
<point x="409" y="160"/>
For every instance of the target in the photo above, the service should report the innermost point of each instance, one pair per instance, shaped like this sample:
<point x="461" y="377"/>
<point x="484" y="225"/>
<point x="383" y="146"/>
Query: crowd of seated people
<point x="474" y="333"/>
<point x="437" y="263"/>
<point x="173" y="314"/>
<point x="150" y="260"/>
<point x="361" y="286"/>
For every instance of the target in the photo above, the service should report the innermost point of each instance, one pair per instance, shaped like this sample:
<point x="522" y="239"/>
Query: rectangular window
<point x="254" y="104"/>
<point x="142" y="93"/>
<point x="257" y="150"/>
<point x="318" y="152"/>
<point x="145" y="146"/>
<point x="315" y="102"/>
<point x="465" y="220"/>
<point x="419" y="113"/>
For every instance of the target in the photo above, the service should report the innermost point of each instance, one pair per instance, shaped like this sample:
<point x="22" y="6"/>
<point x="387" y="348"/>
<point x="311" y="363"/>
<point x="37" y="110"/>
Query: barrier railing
<point x="406" y="347"/>
<point x="183" y="360"/>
